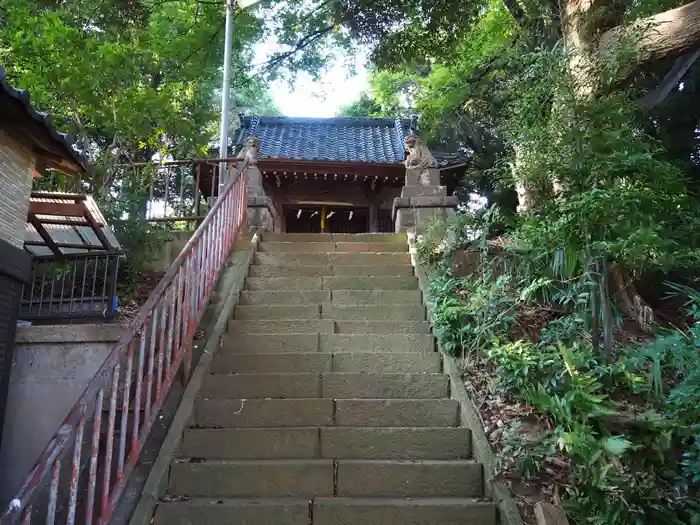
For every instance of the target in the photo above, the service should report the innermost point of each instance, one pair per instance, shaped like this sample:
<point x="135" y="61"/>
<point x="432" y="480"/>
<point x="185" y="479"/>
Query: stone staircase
<point x="326" y="404"/>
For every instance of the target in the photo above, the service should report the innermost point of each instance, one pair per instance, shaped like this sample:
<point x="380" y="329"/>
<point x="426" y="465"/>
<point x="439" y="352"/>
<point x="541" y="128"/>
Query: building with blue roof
<point x="337" y="174"/>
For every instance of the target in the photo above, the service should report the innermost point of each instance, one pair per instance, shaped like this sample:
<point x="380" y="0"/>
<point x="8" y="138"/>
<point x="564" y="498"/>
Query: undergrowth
<point x="628" y="427"/>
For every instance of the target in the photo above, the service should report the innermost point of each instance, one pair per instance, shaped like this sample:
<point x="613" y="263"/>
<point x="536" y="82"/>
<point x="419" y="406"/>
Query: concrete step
<point x="261" y="386"/>
<point x="339" y="297"/>
<point x="282" y="511"/>
<point x="384" y="386"/>
<point x="238" y="341"/>
<point x="414" y="511"/>
<point x="273" y="363"/>
<point x="331" y="283"/>
<point x="329" y="443"/>
<point x="330" y="385"/>
<point x="252" y="479"/>
<point x="263" y="413"/>
<point x="279" y="478"/>
<point x="398" y="478"/>
<point x="333" y="247"/>
<point x="381" y="327"/>
<point x="326" y="326"/>
<point x="380" y="343"/>
<point x="327" y="511"/>
<point x="287" y="311"/>
<point x="228" y="362"/>
<point x="336" y="237"/>
<point x="284" y="297"/>
<point x="395" y="443"/>
<point x="252" y="443"/>
<point x="396" y="413"/>
<point x="388" y="312"/>
<point x="345" y="270"/>
<point x="266" y="413"/>
<point x="370" y="283"/>
<point x="354" y="297"/>
<point x="330" y="311"/>
<point x="386" y="363"/>
<point x="322" y="259"/>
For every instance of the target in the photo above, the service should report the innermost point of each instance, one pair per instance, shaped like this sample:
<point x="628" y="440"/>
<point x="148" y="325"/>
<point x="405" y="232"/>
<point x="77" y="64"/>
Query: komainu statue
<point x="250" y="150"/>
<point x="419" y="156"/>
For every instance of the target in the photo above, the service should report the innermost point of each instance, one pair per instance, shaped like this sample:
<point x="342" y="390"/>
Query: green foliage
<point x="365" y="106"/>
<point x="129" y="80"/>
<point x="142" y="242"/>
<point x="630" y="428"/>
<point x="133" y="81"/>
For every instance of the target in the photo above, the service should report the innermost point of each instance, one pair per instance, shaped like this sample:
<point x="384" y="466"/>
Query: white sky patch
<point x="338" y="85"/>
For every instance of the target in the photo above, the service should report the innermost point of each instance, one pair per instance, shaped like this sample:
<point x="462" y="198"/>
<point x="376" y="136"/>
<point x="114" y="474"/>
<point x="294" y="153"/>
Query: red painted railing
<point x="82" y="472"/>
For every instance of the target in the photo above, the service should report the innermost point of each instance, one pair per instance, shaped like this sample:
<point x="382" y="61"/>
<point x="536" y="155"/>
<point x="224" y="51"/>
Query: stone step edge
<point x="307" y="511"/>
<point x="330" y="305"/>
<point x="217" y="502"/>
<point x="324" y="334"/>
<point x="324" y="461"/>
<point x="320" y="374"/>
<point x="332" y="320"/>
<point x="318" y="428"/>
<point x="328" y="253"/>
<point x="274" y="289"/>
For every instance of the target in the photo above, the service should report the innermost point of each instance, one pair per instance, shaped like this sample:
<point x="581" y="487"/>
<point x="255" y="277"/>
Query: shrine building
<point x="343" y="175"/>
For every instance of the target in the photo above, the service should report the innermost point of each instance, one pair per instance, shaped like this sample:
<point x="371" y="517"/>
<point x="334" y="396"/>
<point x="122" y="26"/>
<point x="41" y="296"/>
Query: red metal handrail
<point x="160" y="338"/>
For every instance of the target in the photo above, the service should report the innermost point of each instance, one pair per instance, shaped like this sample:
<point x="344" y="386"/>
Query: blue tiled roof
<point x="339" y="139"/>
<point x="21" y="97"/>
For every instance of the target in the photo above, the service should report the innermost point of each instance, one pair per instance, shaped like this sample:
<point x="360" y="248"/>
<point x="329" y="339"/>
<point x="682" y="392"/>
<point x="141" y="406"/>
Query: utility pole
<point x="226" y="85"/>
<point x="225" y="88"/>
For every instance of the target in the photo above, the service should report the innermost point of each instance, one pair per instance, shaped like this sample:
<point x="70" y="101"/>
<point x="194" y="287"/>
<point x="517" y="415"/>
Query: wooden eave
<point x="32" y="133"/>
<point x="371" y="169"/>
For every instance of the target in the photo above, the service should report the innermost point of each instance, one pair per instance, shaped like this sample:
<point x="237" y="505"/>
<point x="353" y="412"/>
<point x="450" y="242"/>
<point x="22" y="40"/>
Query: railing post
<point x="162" y="333"/>
<point x="112" y="275"/>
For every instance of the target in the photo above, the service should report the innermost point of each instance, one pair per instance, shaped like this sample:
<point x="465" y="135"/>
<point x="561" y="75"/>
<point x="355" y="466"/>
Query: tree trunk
<point x="582" y="26"/>
<point x="628" y="300"/>
<point x="662" y="36"/>
<point x="524" y="189"/>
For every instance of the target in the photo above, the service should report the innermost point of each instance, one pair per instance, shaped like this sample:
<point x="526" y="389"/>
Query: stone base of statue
<point x="422" y="199"/>
<point x="262" y="215"/>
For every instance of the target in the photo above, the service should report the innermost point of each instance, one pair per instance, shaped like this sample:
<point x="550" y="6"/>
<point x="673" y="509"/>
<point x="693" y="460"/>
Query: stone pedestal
<point x="262" y="215"/>
<point x="422" y="198"/>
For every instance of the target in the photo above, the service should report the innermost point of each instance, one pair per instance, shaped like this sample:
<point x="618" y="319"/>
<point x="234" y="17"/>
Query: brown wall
<point x="16" y="171"/>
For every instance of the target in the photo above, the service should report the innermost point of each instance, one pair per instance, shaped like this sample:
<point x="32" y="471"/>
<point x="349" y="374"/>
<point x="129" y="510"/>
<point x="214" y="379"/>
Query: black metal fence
<point x="76" y="286"/>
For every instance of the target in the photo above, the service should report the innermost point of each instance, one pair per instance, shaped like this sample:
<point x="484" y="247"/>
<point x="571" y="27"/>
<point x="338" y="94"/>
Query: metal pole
<point x="223" y="140"/>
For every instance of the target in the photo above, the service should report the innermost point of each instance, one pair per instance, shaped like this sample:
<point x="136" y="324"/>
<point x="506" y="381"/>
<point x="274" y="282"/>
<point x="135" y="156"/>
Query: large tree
<point x="127" y="78"/>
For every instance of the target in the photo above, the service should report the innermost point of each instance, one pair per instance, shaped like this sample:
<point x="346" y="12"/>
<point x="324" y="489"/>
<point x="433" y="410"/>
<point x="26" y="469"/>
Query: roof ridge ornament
<point x="419" y="156"/>
<point x="254" y="121"/>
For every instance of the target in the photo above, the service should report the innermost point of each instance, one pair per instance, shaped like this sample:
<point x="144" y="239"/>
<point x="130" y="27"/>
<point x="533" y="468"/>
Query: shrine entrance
<point x="326" y="219"/>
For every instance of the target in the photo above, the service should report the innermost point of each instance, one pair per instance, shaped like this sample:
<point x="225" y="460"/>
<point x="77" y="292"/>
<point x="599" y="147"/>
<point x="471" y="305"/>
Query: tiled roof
<point x="340" y="139"/>
<point x="64" y="140"/>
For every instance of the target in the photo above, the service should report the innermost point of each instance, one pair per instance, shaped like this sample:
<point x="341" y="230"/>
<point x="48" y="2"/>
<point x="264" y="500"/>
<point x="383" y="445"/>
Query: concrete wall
<point x="170" y="250"/>
<point x="51" y="368"/>
<point x="16" y="172"/>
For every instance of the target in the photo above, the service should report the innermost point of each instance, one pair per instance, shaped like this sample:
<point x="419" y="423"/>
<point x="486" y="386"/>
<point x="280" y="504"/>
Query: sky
<point x="339" y="85"/>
